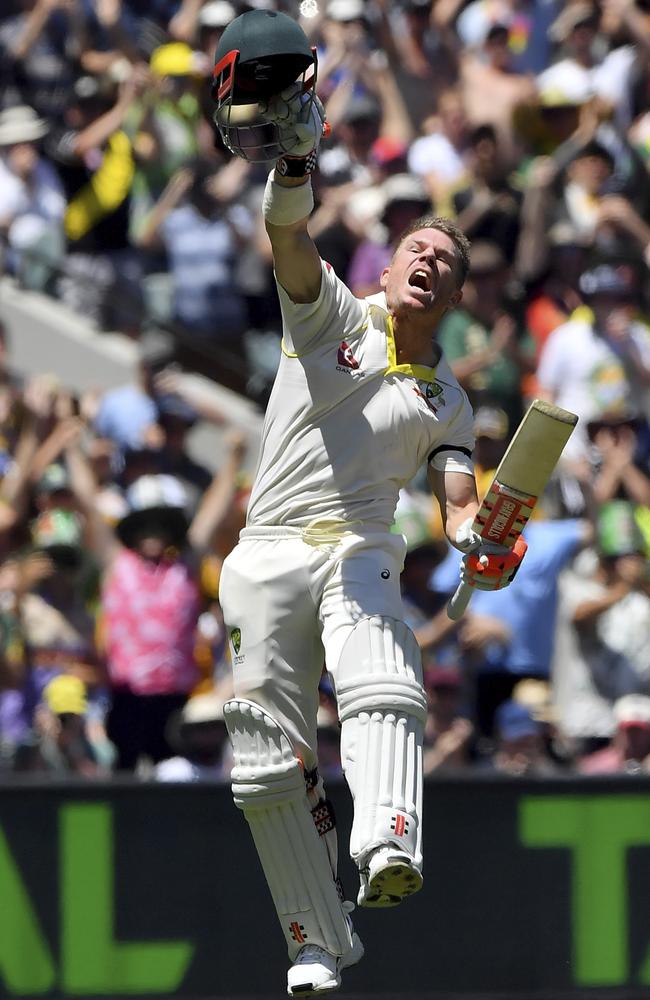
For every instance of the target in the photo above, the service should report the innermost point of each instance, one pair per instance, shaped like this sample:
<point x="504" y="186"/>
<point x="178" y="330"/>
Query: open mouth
<point x="421" y="279"/>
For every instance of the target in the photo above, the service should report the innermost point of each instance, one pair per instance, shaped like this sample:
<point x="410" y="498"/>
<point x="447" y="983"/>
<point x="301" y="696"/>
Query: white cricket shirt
<point x="346" y="427"/>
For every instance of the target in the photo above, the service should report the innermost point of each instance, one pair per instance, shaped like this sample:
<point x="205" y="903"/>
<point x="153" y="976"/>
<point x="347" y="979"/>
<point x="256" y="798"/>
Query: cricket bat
<point x="519" y="481"/>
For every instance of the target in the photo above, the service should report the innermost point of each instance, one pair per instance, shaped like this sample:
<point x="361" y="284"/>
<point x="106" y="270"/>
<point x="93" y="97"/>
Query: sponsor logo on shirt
<point x="346" y="359"/>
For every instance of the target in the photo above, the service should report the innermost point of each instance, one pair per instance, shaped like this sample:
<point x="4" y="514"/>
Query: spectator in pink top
<point x="152" y="604"/>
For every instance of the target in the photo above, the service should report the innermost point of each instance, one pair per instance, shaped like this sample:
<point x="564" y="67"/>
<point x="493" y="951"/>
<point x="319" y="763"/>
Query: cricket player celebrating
<point x="362" y="398"/>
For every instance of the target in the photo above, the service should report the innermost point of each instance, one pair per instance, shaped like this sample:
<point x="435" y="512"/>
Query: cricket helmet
<point x="259" y="54"/>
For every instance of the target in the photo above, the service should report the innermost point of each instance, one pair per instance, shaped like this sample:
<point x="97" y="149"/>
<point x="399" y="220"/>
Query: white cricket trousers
<point x="290" y="606"/>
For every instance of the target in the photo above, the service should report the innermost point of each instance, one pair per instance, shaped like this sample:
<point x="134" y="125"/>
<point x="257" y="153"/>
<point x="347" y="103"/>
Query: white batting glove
<point x="301" y="119"/>
<point x="466" y="538"/>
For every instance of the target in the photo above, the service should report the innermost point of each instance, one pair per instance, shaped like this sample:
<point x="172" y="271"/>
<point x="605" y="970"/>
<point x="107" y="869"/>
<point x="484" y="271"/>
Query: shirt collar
<point x="422" y="372"/>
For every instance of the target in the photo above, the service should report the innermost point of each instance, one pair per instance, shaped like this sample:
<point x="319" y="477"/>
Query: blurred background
<point x="139" y="336"/>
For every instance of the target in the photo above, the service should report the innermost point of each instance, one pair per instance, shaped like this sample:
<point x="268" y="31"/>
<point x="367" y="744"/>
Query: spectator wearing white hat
<point x="32" y="201"/>
<point x="629" y="750"/>
<point x="198" y="734"/>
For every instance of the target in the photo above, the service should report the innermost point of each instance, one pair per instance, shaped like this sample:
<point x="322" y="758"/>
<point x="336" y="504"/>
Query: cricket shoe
<point x="316" y="972"/>
<point x="388" y="877"/>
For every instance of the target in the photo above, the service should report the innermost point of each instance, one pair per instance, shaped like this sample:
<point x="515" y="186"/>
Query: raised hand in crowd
<point x="618" y="470"/>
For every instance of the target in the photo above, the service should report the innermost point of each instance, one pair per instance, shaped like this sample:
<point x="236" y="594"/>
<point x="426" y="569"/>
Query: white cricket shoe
<point x="316" y="972"/>
<point x="388" y="877"/>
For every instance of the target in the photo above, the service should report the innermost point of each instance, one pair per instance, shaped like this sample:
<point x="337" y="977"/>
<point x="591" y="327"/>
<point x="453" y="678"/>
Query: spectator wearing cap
<point x="520" y="750"/>
<point x="164" y="123"/>
<point x="447" y="732"/>
<point x="485" y="341"/>
<point x="32" y="202"/>
<point x="603" y="643"/>
<point x="62" y="742"/>
<point x="405" y="199"/>
<point x="629" y="750"/>
<point x="599" y="361"/>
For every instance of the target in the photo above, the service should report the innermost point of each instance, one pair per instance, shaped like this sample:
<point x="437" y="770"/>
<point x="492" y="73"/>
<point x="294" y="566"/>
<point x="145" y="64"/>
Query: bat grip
<point x="458" y="601"/>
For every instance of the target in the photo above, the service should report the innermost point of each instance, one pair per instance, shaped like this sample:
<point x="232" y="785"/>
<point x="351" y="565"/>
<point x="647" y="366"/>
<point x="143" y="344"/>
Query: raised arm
<point x="295" y="257"/>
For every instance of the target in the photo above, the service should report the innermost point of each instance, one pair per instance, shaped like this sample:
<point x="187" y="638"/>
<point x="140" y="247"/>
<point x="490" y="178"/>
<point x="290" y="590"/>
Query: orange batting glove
<point x="492" y="567"/>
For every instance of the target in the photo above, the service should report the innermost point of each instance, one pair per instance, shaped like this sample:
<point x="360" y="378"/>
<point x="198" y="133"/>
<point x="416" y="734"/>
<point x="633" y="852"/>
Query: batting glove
<point x="300" y="117"/>
<point x="492" y="567"/>
<point x="487" y="566"/>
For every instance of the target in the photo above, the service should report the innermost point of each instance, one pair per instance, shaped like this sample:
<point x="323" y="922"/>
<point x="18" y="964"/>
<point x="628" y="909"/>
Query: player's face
<point x="422" y="276"/>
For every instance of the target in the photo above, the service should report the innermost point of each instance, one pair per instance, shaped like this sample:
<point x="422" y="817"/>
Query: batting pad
<point x="268" y="785"/>
<point x="383" y="708"/>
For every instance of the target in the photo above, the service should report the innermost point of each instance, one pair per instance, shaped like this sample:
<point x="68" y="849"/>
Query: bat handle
<point x="459" y="601"/>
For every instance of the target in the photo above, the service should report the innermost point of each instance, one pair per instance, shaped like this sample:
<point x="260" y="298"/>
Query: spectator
<point x="201" y="236"/>
<point x="629" y="750"/>
<point x="520" y="750"/>
<point x="95" y="160"/>
<point x="62" y="742"/>
<point x="492" y="89"/>
<point x="31" y="199"/>
<point x="198" y="733"/>
<point x="602" y="644"/>
<point x="33" y="47"/>
<point x="528" y="23"/>
<point x="419" y="43"/>
<point x="447" y="733"/>
<point x="151" y="606"/>
<point x="165" y="122"/>
<point x="621" y="458"/>
<point x="501" y="641"/>
<point x="441" y="156"/>
<point x="128" y="415"/>
<point x="598" y="362"/>
<point x="488" y="207"/>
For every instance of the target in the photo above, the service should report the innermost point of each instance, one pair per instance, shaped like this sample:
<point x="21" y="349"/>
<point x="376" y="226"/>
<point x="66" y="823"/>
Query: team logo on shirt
<point x="235" y="638"/>
<point x="346" y="359"/>
<point x="428" y="391"/>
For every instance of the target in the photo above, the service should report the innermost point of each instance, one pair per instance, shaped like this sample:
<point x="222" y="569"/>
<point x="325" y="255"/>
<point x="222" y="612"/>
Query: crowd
<point x="527" y="121"/>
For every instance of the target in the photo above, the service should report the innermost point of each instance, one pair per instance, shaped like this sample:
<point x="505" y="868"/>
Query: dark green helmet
<point x="259" y="54"/>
